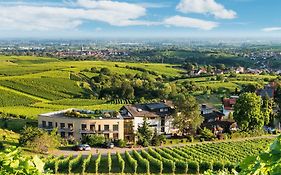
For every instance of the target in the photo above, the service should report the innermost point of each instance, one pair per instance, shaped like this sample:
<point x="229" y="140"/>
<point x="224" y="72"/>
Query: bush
<point x="204" y="166"/>
<point x="218" y="166"/>
<point x="94" y="140"/>
<point x="190" y="138"/>
<point x="193" y="167"/>
<point x="229" y="166"/>
<point x="39" y="140"/>
<point x="121" y="143"/>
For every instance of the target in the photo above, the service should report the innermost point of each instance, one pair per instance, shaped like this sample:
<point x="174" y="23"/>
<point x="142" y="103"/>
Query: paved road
<point x="104" y="151"/>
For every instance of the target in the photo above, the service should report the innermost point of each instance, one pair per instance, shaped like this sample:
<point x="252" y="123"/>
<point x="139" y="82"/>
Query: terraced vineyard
<point x="189" y="159"/>
<point x="33" y="85"/>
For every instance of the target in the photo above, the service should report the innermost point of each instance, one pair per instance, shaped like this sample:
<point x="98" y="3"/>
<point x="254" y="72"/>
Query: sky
<point x="139" y="18"/>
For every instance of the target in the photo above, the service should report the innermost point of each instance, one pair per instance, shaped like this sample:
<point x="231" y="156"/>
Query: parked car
<point x="82" y="147"/>
<point x="110" y="145"/>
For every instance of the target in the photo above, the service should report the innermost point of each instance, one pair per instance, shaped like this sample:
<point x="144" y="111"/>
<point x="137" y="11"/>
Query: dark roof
<point x="221" y="123"/>
<point x="212" y="115"/>
<point x="148" y="110"/>
<point x="267" y="91"/>
<point x="153" y="106"/>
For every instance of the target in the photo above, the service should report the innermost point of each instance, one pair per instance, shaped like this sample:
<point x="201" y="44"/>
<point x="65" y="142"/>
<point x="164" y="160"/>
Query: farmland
<point x="33" y="85"/>
<point x="189" y="159"/>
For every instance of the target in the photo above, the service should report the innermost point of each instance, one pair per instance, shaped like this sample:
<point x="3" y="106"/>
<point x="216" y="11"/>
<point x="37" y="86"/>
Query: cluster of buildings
<point x="112" y="125"/>
<point x="75" y="123"/>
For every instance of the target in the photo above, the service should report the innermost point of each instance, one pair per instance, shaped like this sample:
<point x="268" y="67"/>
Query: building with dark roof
<point x="158" y="115"/>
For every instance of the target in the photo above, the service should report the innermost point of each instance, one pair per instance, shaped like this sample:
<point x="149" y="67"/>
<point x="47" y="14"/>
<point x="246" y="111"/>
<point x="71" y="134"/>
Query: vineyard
<point x="48" y="88"/>
<point x="189" y="159"/>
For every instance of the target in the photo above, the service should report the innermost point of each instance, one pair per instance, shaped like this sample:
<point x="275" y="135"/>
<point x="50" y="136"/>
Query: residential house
<point x="240" y="70"/>
<point x="75" y="123"/>
<point x="228" y="105"/>
<point x="158" y="115"/>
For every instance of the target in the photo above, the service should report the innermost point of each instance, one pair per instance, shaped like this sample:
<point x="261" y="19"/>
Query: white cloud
<point x="206" y="7"/>
<point x="271" y="29"/>
<point x="61" y="18"/>
<point x="30" y="17"/>
<point x="180" y="21"/>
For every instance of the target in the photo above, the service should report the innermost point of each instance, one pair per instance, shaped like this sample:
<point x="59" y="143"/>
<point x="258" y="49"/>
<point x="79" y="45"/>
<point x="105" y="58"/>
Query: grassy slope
<point x="34" y="85"/>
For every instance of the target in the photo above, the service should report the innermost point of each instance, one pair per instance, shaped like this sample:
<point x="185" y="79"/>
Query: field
<point x="190" y="159"/>
<point x="33" y="85"/>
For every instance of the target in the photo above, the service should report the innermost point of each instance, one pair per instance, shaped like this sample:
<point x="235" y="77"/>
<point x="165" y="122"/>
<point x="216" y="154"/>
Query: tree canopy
<point x="248" y="112"/>
<point x="187" y="115"/>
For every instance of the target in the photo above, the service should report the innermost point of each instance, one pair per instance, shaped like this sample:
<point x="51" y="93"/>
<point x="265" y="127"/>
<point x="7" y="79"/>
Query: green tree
<point x="144" y="134"/>
<point x="94" y="140"/>
<point x="157" y="139"/>
<point x="39" y="140"/>
<point x="248" y="112"/>
<point x="105" y="71"/>
<point x="187" y="115"/>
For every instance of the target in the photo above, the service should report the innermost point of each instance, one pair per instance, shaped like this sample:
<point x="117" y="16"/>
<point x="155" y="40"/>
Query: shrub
<point x="218" y="166"/>
<point x="94" y="140"/>
<point x="204" y="166"/>
<point x="229" y="166"/>
<point x="39" y="140"/>
<point x="121" y="143"/>
<point x="193" y="167"/>
<point x="181" y="166"/>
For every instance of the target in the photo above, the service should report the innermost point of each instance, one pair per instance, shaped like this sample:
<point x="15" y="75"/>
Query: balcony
<point x="66" y="129"/>
<point x="86" y="131"/>
<point x="48" y="128"/>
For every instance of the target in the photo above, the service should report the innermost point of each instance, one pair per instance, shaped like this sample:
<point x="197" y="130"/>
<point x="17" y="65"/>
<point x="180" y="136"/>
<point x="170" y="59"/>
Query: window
<point x="43" y="124"/>
<point x="62" y="125"/>
<point x="115" y="128"/>
<point x="115" y="136"/>
<point x="92" y="127"/>
<point x="50" y="124"/>
<point x="161" y="110"/>
<point x="70" y="126"/>
<point x="62" y="134"/>
<point x="83" y="127"/>
<point x="106" y="127"/>
<point x="70" y="134"/>
<point x="99" y="127"/>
